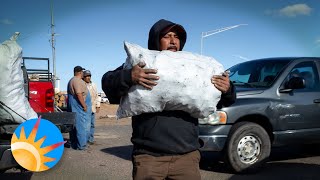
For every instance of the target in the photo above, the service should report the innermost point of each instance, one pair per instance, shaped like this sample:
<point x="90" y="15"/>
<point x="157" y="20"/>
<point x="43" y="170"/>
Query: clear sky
<point x="90" y="33"/>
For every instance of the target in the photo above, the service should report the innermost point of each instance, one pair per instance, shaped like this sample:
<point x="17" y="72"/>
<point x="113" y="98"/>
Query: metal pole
<point x="53" y="46"/>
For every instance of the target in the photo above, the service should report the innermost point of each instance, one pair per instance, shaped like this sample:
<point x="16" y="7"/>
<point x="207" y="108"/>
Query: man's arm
<point x="118" y="82"/>
<point x="81" y="100"/>
<point x="98" y="98"/>
<point x="228" y="98"/>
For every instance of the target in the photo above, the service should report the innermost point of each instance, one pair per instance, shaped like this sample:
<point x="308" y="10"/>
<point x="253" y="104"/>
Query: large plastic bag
<point x="12" y="92"/>
<point x="184" y="84"/>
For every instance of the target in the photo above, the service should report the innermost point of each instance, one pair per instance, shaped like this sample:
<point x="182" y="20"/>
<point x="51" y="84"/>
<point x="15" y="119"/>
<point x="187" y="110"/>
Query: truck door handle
<point x="316" y="101"/>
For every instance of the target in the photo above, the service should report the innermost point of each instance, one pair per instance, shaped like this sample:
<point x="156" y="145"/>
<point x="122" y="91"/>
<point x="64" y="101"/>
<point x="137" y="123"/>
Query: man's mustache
<point x="172" y="47"/>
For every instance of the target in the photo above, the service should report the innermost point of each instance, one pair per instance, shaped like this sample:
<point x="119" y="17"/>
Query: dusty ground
<point x="110" y="158"/>
<point x="107" y="116"/>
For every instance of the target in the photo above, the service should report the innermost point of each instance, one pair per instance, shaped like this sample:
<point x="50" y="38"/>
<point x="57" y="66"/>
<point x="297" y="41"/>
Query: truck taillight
<point x="49" y="98"/>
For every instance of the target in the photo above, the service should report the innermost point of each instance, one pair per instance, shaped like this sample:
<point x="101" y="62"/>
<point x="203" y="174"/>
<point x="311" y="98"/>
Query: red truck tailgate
<point x="41" y="96"/>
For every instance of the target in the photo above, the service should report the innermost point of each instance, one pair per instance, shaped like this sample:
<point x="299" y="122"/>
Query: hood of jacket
<point x="155" y="33"/>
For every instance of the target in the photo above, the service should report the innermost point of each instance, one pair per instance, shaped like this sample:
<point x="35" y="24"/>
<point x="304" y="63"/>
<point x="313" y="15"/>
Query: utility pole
<point x="53" y="45"/>
<point x="216" y="31"/>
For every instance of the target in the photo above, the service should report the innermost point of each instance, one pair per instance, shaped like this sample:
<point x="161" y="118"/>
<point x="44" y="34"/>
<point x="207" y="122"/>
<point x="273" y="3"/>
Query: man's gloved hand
<point x="144" y="77"/>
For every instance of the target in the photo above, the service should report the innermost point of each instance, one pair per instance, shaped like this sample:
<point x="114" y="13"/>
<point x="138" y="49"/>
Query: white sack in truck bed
<point x="12" y="92"/>
<point x="184" y="84"/>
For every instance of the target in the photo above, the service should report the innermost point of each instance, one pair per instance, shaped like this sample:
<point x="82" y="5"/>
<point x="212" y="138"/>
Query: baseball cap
<point x="78" y="69"/>
<point x="86" y="73"/>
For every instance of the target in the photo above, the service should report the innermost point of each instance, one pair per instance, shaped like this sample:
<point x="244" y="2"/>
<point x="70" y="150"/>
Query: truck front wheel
<point x="248" y="147"/>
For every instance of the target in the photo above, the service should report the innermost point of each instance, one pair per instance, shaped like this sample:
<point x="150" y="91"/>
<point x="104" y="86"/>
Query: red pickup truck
<point x="39" y="89"/>
<point x="39" y="84"/>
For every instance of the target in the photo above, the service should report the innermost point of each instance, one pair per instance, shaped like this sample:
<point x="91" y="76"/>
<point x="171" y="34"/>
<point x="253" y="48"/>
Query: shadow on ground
<point x="273" y="169"/>
<point x="295" y="152"/>
<point x="10" y="175"/>
<point x="284" y="170"/>
<point x="123" y="152"/>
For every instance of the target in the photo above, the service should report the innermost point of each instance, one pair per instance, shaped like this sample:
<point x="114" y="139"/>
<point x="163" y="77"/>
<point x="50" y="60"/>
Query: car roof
<point x="283" y="59"/>
<point x="288" y="58"/>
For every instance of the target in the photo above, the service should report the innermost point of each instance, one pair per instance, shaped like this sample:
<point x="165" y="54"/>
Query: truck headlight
<point x="218" y="117"/>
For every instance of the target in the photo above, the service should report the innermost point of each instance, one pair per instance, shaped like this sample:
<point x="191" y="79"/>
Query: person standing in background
<point x="95" y="101"/>
<point x="79" y="101"/>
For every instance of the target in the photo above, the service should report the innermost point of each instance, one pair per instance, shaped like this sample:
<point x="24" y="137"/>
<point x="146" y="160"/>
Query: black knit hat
<point x="86" y="73"/>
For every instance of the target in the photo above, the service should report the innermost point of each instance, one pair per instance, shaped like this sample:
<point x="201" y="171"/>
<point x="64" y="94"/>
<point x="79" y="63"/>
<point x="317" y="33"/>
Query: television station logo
<point x="37" y="145"/>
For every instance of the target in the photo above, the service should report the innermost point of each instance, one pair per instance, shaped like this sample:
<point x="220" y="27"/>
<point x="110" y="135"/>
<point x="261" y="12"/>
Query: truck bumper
<point x="7" y="160"/>
<point x="213" y="138"/>
<point x="63" y="120"/>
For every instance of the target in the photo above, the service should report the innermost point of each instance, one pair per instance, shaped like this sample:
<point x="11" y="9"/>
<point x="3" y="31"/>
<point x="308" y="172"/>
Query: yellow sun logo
<point x="29" y="153"/>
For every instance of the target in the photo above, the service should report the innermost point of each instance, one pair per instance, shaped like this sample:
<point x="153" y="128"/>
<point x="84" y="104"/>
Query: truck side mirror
<point x="294" y="83"/>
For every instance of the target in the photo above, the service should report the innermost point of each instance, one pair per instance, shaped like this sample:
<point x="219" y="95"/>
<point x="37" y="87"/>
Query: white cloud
<point x="6" y="21"/>
<point x="291" y="11"/>
<point x="295" y="10"/>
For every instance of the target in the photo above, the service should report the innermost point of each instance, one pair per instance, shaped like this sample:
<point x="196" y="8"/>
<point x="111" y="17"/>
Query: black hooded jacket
<point x="161" y="133"/>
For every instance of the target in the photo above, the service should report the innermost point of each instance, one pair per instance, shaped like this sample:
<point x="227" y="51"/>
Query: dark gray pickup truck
<point x="278" y="103"/>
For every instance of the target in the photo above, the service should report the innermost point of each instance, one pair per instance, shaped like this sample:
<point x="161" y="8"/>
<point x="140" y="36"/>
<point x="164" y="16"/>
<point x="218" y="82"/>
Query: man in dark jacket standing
<point x="165" y="143"/>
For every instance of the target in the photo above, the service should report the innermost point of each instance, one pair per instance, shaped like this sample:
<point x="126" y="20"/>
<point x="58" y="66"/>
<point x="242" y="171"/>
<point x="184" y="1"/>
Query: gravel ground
<point x="110" y="158"/>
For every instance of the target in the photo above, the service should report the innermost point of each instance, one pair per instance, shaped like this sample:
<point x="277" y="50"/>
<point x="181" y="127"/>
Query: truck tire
<point x="247" y="148"/>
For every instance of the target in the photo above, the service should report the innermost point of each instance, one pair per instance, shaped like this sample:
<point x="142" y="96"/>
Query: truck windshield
<point x="257" y="73"/>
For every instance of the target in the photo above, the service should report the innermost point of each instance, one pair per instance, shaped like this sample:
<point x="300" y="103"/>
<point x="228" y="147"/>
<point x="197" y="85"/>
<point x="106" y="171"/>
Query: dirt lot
<point x="110" y="158"/>
<point x="108" y="111"/>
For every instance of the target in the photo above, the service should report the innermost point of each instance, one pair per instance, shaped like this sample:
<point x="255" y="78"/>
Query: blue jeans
<point x="79" y="134"/>
<point x="91" y="133"/>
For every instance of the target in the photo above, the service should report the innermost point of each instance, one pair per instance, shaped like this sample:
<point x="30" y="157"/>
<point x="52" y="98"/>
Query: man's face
<point x="170" y="42"/>
<point x="87" y="79"/>
<point x="81" y="73"/>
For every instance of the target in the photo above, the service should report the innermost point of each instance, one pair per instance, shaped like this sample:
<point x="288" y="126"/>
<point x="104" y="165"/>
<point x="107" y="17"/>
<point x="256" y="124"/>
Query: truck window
<point x="260" y="73"/>
<point x="307" y="71"/>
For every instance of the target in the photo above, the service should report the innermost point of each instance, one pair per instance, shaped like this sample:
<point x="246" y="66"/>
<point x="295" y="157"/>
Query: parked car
<point x="278" y="103"/>
<point x="104" y="100"/>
